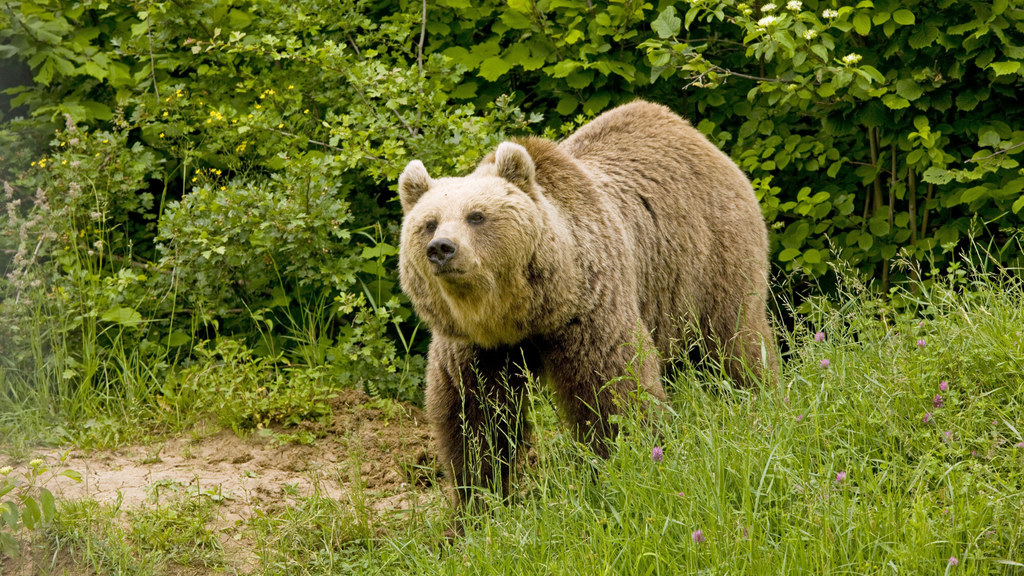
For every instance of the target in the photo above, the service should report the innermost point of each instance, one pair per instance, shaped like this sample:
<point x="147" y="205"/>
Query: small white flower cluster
<point x="794" y="5"/>
<point x="851" y="58"/>
<point x="830" y="13"/>
<point x="810" y="34"/>
<point x="767" y="21"/>
<point x="768" y="8"/>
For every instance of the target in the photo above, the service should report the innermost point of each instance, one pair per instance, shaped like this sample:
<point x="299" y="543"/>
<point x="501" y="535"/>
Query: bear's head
<point x="468" y="244"/>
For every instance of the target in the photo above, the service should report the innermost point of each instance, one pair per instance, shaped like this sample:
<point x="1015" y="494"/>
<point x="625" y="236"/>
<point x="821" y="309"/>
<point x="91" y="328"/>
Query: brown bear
<point x="574" y="261"/>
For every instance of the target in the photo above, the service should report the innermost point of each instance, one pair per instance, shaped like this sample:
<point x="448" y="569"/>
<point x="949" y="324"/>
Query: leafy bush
<point x="27" y="504"/>
<point x="218" y="170"/>
<point x="192" y="171"/>
<point x="867" y="129"/>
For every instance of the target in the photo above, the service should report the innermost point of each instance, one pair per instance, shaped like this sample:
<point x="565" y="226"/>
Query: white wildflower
<point x="830" y="13"/>
<point x="810" y="34"/>
<point x="767" y="21"/>
<point x="768" y="8"/>
<point x="794" y="5"/>
<point x="851" y="58"/>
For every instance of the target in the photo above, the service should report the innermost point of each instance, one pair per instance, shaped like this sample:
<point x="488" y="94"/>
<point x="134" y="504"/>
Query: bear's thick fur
<point x="566" y="259"/>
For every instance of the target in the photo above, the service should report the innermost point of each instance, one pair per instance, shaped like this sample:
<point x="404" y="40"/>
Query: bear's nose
<point x="441" y="250"/>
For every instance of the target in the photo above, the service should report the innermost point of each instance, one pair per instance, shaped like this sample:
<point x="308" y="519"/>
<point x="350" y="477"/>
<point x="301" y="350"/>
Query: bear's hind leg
<point x="598" y="370"/>
<point x="750" y="356"/>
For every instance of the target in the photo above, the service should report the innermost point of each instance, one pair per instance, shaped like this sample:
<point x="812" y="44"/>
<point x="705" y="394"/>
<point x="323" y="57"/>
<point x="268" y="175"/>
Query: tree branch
<point x="423" y="37"/>
<point x="748" y="76"/>
<point x="316" y="142"/>
<point x="152" y="61"/>
<point x="1014" y="147"/>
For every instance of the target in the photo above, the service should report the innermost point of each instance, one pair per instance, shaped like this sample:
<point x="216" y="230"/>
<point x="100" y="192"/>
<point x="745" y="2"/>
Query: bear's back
<point x="684" y="205"/>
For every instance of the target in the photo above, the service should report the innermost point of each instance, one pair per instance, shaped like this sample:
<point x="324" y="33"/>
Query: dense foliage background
<point x="202" y="191"/>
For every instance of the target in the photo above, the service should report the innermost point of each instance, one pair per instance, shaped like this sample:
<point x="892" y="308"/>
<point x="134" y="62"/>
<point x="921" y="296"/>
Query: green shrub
<point x="217" y="170"/>
<point x="870" y="130"/>
<point x="195" y="171"/>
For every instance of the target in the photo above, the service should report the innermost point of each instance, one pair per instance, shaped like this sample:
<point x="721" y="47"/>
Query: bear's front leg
<point x="476" y="402"/>
<point x="599" y="368"/>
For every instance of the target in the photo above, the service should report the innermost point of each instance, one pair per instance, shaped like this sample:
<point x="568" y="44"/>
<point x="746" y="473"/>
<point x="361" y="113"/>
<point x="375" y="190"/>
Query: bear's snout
<point x="441" y="250"/>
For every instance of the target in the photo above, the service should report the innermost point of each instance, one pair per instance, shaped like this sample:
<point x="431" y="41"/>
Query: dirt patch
<point x="378" y="450"/>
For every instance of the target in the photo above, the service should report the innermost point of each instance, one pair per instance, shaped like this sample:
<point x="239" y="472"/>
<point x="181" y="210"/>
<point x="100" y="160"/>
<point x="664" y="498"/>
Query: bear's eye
<point x="475" y="218"/>
<point x="430" y="226"/>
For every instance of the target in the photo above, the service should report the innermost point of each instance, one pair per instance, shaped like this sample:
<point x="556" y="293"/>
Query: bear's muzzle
<point x="441" y="250"/>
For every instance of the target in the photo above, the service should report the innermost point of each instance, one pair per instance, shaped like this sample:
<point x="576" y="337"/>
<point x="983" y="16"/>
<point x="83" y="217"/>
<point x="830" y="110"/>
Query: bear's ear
<point x="513" y="163"/>
<point x="412" y="184"/>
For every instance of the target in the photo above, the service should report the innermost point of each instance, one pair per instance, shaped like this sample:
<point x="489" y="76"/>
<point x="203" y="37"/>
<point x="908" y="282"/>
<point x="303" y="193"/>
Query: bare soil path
<point x="377" y="450"/>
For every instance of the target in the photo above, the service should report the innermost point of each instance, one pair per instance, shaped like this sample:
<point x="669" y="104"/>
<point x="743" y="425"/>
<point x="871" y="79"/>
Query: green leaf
<point x="895" y="102"/>
<point x="812" y="256"/>
<point x="563" y="68"/>
<point x="865" y="242"/>
<point x="988" y="137"/>
<point x="97" y="110"/>
<point x="30" y="514"/>
<point x="515" y="19"/>
<point x="862" y="23"/>
<point x="47" y="503"/>
<point x="574" y="36"/>
<point x="879" y="226"/>
<point x="904" y="17"/>
<point x="967" y="101"/>
<point x="9" y="514"/>
<point x="923" y="37"/>
<point x="972" y="194"/>
<point x="465" y="91"/>
<point x="178" y="338"/>
<point x="667" y="24"/>
<point x="493" y="68"/>
<point x="378" y="250"/>
<point x="597" y="102"/>
<point x="566" y="105"/>
<point x="1018" y="204"/>
<point x="580" y="79"/>
<point x="1005" y="68"/>
<point x="1012" y="187"/>
<point x="122" y="315"/>
<point x="936" y="175"/>
<point x="788" y="254"/>
<point x="909" y="89"/>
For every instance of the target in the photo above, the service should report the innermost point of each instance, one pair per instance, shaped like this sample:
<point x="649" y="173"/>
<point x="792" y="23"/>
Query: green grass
<point x="835" y="470"/>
